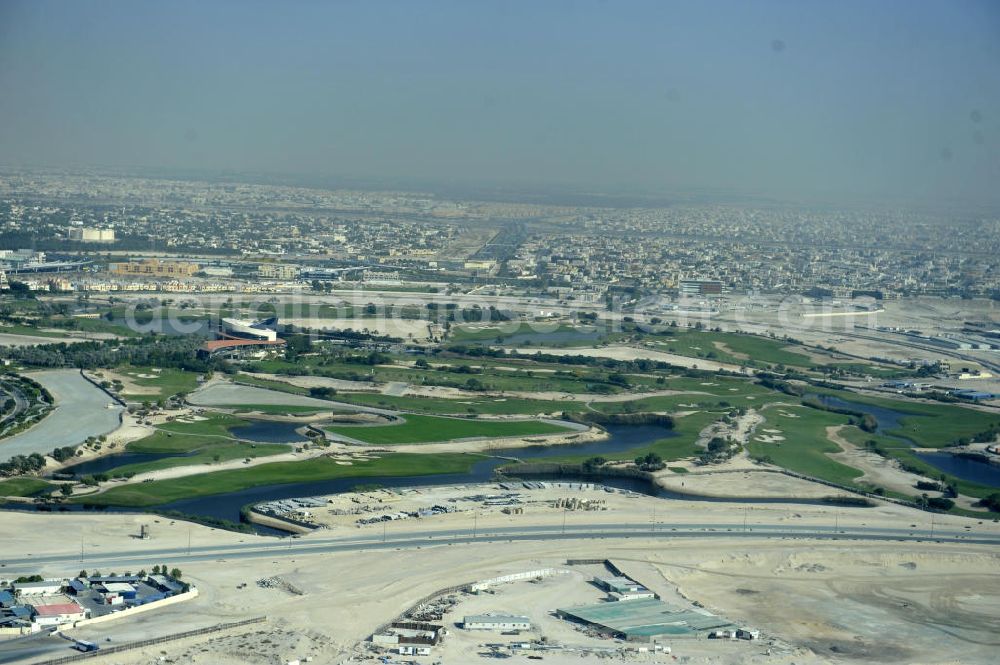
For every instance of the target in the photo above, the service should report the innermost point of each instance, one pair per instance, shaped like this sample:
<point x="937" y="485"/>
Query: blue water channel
<point x="888" y="420"/>
<point x="228" y="506"/>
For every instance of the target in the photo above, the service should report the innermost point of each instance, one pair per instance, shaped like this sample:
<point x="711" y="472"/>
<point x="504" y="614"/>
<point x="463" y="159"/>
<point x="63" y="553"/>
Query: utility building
<point x="496" y="622"/>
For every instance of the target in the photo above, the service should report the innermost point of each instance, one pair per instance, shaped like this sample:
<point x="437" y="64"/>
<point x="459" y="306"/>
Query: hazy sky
<point x="877" y="98"/>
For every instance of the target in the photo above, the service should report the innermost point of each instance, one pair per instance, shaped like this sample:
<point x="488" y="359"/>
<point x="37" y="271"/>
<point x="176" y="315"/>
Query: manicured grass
<point x="212" y="453"/>
<point x="490" y="405"/>
<point x="720" y="394"/>
<point x="737" y="348"/>
<point x="537" y="335"/>
<point x="19" y="329"/>
<point x="426" y="429"/>
<point x="928" y="425"/>
<point x="805" y="447"/>
<point x="183" y="436"/>
<point x="321" y="468"/>
<point x="207" y="439"/>
<point x="274" y="409"/>
<point x="570" y="378"/>
<point x="893" y="448"/>
<point x="23" y="486"/>
<point x="167" y="382"/>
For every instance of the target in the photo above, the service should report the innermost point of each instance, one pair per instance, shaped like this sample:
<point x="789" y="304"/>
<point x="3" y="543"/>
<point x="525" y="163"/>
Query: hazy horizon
<point x="859" y="101"/>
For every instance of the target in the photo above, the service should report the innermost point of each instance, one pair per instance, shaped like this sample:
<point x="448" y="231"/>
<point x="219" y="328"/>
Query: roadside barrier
<point x="128" y="646"/>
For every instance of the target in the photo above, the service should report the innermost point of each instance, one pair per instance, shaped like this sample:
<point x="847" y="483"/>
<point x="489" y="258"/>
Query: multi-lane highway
<point x="291" y="547"/>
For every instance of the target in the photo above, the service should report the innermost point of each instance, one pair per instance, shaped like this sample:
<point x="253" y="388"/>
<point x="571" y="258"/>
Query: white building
<point x="92" y="234"/>
<point x="59" y="614"/>
<point x="44" y="588"/>
<point x="496" y="622"/>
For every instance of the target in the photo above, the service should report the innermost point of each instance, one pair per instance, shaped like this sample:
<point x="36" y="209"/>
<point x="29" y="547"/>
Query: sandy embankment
<point x="637" y="353"/>
<point x="884" y="472"/>
<point x="319" y="382"/>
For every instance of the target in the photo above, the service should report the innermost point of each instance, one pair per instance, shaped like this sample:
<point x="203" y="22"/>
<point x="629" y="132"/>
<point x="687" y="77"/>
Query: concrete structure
<point x="496" y="622"/>
<point x="239" y="348"/>
<point x="617" y="584"/>
<point x="698" y="287"/>
<point x="278" y="271"/>
<point x="256" y="330"/>
<point x="91" y="234"/>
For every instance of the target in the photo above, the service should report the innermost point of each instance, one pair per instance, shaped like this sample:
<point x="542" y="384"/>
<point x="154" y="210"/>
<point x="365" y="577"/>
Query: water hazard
<point x="890" y="421"/>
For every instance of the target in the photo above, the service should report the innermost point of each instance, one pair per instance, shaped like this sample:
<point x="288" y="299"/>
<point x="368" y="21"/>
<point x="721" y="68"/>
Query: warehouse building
<point x="644" y="619"/>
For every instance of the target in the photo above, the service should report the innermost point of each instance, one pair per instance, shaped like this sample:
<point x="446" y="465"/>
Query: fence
<point x="128" y="646"/>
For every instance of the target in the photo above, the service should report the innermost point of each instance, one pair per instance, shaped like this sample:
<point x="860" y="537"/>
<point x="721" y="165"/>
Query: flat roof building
<point x="58" y="614"/>
<point x="44" y="588"/>
<point x="496" y="622"/>
<point x="617" y="584"/>
<point x="155" y="268"/>
<point x="640" y="620"/>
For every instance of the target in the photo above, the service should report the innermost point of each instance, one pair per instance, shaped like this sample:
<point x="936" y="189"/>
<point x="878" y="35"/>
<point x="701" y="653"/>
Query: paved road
<point x="259" y="547"/>
<point x="81" y="411"/>
<point x="21" y="403"/>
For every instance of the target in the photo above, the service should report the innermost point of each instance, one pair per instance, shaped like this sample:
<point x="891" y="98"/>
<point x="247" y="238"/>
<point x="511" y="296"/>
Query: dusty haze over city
<point x="444" y="332"/>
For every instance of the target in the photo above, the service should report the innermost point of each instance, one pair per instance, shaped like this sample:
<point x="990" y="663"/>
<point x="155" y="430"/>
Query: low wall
<point x="132" y="611"/>
<point x="280" y="523"/>
<point x="514" y="577"/>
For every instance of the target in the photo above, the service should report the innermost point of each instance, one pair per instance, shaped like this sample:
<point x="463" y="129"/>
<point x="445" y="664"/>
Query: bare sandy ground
<point x="815" y="602"/>
<point x="551" y="395"/>
<point x="884" y="472"/>
<point x="636" y="353"/>
<point x="750" y="481"/>
<point x="321" y="382"/>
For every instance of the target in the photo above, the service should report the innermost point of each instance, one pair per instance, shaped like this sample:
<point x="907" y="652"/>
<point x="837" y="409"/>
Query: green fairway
<point x="928" y="425"/>
<point x="490" y="405"/>
<point x="185" y="436"/>
<point x="23" y="486"/>
<point x="426" y="429"/>
<point x="167" y="382"/>
<point x="209" y="441"/>
<point x="805" y="445"/>
<point x="733" y="348"/>
<point x="322" y="468"/>
<point x="889" y="447"/>
<point x="273" y="409"/>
